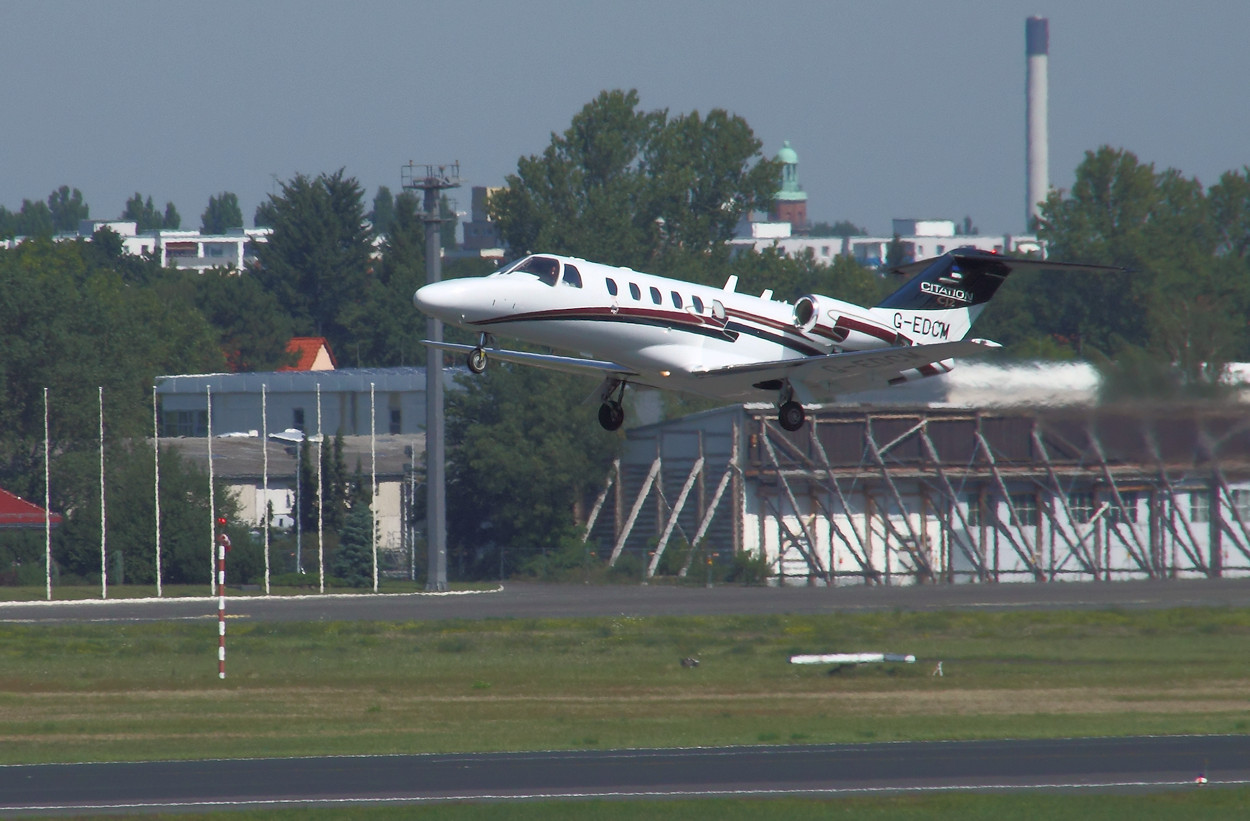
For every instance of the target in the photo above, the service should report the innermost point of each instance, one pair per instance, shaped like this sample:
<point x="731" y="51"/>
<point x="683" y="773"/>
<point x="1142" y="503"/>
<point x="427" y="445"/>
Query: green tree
<point x="186" y="522"/>
<point x="317" y="259"/>
<point x="264" y="215"/>
<point x="252" y="327"/>
<point x="702" y="175"/>
<point x="307" y="501"/>
<point x="629" y="187"/>
<point x="521" y="453"/>
<point x="383" y="330"/>
<point x="841" y="228"/>
<point x="1168" y="325"/>
<point x="70" y="323"/>
<point x="383" y="211"/>
<point x="449" y="221"/>
<point x="145" y="216"/>
<point x="67" y="209"/>
<point x="353" y="561"/>
<point x="34" y="219"/>
<point x="790" y="277"/>
<point x="335" y="483"/>
<point x="222" y="214"/>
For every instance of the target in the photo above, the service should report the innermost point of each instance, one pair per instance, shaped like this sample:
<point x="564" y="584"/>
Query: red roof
<point x="17" y="512"/>
<point x="307" y="348"/>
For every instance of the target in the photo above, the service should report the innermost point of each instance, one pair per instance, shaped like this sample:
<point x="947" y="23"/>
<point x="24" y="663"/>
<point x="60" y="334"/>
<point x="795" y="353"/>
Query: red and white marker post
<point x="223" y="545"/>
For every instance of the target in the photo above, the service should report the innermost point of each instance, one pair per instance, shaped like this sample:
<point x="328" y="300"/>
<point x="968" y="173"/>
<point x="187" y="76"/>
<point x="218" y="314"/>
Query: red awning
<point x="16" y="512"/>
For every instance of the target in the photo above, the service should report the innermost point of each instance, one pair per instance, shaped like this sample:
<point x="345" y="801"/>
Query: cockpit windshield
<point x="545" y="268"/>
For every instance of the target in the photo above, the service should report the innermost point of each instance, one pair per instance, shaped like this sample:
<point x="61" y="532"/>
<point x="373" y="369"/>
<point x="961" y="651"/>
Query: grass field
<point x="1191" y="805"/>
<point x="99" y="692"/>
<point x="82" y="592"/>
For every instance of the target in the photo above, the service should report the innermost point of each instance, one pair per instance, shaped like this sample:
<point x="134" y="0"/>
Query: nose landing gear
<point x="477" y="357"/>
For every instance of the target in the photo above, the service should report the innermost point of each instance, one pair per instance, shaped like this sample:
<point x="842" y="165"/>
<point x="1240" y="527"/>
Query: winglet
<point x="731" y="284"/>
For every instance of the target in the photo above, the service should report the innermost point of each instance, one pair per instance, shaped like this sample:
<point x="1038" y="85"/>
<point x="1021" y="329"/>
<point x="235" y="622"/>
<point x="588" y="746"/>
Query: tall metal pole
<point x="1037" y="49"/>
<point x="212" y="495"/>
<point x="156" y="487"/>
<point x="373" y="480"/>
<point x="264" y="455"/>
<point x="436" y="179"/>
<point x="321" y="545"/>
<point x="47" y="499"/>
<point x="436" y="499"/>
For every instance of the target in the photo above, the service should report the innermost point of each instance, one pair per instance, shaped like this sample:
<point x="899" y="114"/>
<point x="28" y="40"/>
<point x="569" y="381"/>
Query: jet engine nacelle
<point x="829" y="323"/>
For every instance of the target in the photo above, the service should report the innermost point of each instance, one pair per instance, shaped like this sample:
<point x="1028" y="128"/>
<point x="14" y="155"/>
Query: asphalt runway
<point x="533" y="600"/>
<point x="1073" y="764"/>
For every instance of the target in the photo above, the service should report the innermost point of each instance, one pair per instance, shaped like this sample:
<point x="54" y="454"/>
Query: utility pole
<point x="432" y="180"/>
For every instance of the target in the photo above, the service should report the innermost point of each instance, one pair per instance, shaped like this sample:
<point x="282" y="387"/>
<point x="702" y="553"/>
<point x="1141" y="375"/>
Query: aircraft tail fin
<point x="963" y="278"/>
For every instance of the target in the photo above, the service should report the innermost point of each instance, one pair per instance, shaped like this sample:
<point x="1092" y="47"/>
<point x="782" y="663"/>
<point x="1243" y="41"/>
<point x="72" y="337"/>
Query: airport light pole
<point x="432" y="180"/>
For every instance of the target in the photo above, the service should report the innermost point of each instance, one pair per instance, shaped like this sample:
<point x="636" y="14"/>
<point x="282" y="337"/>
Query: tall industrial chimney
<point x="1037" y="46"/>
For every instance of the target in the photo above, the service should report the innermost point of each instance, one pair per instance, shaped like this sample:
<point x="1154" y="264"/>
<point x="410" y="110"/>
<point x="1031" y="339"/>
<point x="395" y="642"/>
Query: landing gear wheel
<point x="791" y="415"/>
<point x="611" y="415"/>
<point x="477" y="360"/>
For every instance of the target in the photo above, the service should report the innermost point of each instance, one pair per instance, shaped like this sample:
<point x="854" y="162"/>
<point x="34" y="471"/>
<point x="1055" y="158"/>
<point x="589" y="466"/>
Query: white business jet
<point x="640" y="329"/>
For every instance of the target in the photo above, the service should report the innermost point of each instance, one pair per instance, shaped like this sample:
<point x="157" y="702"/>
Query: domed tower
<point x="790" y="204"/>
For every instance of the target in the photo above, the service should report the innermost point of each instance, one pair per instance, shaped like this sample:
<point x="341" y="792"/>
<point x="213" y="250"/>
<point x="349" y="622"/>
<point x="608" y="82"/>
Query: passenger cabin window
<point x="634" y="292"/>
<point x="611" y="283"/>
<point x="572" y="277"/>
<point x="676" y="300"/>
<point x="698" y="304"/>
<point x="545" y="268"/>
<point x="655" y="296"/>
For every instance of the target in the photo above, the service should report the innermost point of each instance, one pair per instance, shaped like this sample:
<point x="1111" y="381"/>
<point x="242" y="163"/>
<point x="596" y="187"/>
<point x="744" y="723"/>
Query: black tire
<point x="791" y="415"/>
<point x="611" y="416"/>
<point x="477" y="360"/>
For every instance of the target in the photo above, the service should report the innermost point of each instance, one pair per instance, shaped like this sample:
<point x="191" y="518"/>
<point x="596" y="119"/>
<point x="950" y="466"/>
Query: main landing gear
<point x="790" y="414"/>
<point x="611" y="413"/>
<point x="477" y="357"/>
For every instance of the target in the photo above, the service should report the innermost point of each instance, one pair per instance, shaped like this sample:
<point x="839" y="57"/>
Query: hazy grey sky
<point x="896" y="109"/>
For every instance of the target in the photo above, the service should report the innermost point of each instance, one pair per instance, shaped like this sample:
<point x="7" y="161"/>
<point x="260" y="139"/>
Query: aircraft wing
<point x="847" y="372"/>
<point x="567" y="364"/>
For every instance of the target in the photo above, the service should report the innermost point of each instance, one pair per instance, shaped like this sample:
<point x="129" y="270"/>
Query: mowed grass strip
<point x="1193" y="804"/>
<point x="98" y="692"/>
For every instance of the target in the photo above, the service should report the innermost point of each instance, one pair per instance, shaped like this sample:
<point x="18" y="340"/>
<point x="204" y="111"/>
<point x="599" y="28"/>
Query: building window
<point x="974" y="511"/>
<point x="1129" y="514"/>
<point x="1082" y="507"/>
<point x="395" y="419"/>
<point x="1241" y="502"/>
<point x="184" y="423"/>
<point x="1025" y="505"/>
<point x="297" y="419"/>
<point x="1199" y="506"/>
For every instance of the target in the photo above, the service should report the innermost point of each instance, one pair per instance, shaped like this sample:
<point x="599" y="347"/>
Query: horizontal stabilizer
<point x="966" y="277"/>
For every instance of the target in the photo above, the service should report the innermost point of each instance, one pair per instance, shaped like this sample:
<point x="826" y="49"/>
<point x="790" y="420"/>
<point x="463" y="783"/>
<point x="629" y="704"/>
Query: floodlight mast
<point x="432" y="180"/>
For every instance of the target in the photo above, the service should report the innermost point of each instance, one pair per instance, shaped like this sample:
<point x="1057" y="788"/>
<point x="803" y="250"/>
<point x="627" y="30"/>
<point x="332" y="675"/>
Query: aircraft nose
<point x="447" y="300"/>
